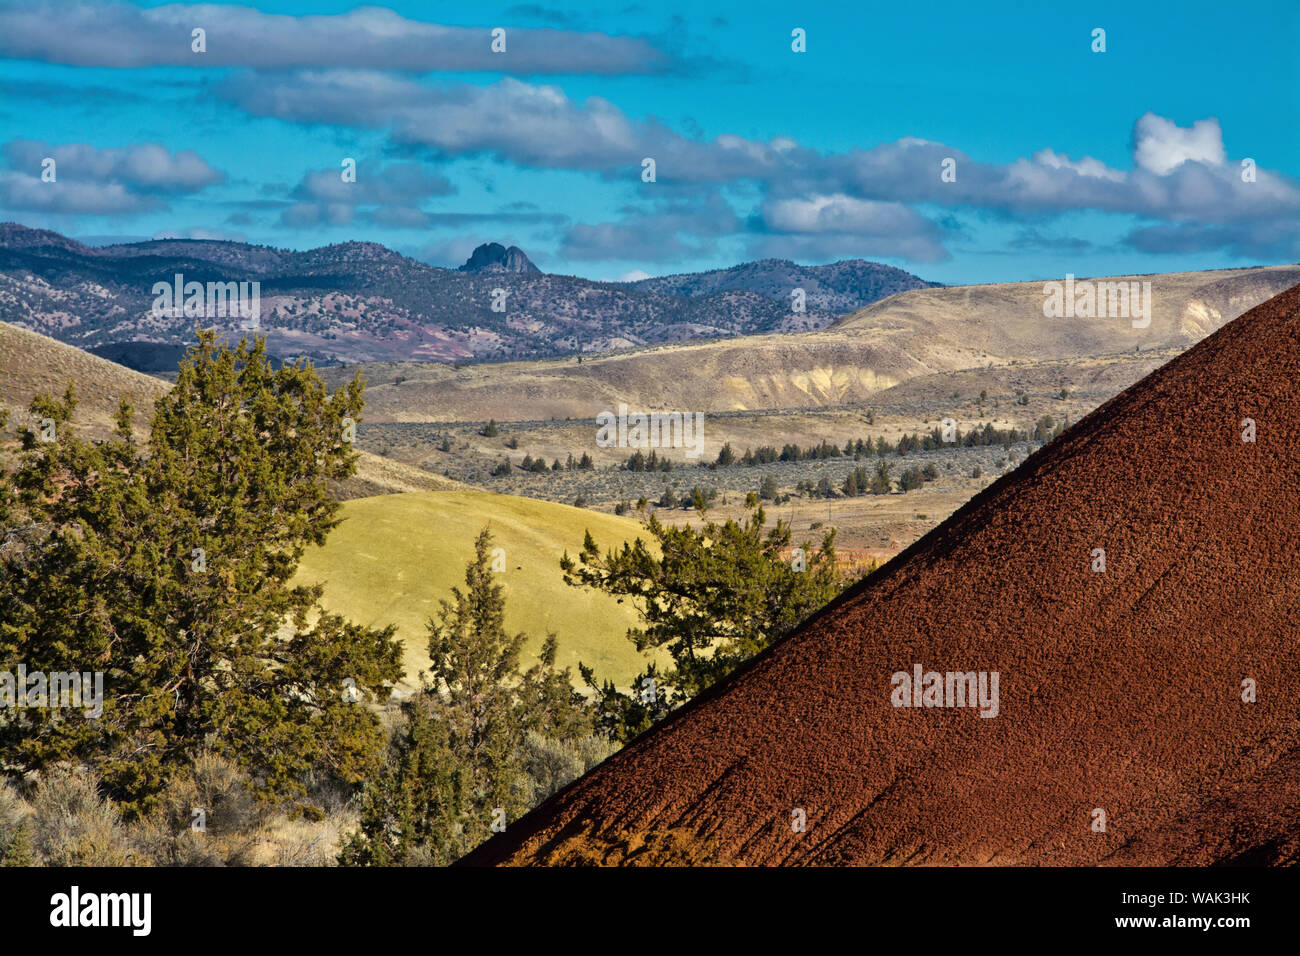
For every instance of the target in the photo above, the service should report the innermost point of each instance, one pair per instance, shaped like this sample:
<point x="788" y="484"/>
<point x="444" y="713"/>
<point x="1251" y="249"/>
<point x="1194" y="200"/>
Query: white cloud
<point x="838" y="213"/>
<point x="111" y="34"/>
<point x="142" y="166"/>
<point x="532" y="125"/>
<point x="20" y="191"/>
<point x="1179" y="173"/>
<point x="1087" y="167"/>
<point x="1162" y="145"/>
<point x="821" y="226"/>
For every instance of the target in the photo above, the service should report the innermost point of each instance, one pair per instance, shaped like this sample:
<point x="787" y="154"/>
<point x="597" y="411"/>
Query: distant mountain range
<point x="360" y="301"/>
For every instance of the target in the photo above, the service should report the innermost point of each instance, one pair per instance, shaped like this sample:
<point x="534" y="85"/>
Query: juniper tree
<point x="880" y="482"/>
<point x="168" y="568"/>
<point x="712" y="597"/>
<point x="413" y="811"/>
<point x="912" y="479"/>
<point x="473" y="664"/>
<point x="459" y="755"/>
<point x="624" y="716"/>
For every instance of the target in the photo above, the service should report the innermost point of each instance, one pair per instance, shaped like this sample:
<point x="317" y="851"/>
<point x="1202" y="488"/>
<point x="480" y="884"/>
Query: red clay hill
<point x="1119" y="691"/>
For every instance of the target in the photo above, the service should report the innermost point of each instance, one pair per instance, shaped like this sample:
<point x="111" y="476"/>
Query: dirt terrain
<point x="1145" y="714"/>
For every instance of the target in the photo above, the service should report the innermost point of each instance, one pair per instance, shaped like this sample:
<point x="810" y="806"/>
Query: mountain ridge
<point x="831" y="286"/>
<point x="360" y="301"/>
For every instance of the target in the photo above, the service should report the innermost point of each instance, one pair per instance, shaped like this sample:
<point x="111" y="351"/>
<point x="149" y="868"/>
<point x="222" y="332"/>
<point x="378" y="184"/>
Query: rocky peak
<point x="494" y="257"/>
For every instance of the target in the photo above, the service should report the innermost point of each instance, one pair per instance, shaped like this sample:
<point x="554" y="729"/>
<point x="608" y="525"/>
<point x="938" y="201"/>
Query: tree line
<point x="1045" y="429"/>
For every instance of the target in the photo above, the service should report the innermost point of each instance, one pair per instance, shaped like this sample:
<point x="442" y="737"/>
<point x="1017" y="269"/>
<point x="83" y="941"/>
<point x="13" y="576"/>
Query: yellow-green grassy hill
<point x="395" y="556"/>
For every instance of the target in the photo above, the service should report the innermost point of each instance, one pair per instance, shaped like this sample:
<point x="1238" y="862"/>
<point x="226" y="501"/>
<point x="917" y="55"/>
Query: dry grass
<point x="65" y="820"/>
<point x="31" y="363"/>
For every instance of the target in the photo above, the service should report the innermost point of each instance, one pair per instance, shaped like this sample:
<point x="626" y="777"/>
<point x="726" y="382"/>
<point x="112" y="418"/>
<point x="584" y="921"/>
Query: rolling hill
<point x="911" y="335"/>
<point x="1136" y="712"/>
<point x="1006" y="319"/>
<point x="394" y="557"/>
<point x="31" y="363"/>
<point x="395" y="554"/>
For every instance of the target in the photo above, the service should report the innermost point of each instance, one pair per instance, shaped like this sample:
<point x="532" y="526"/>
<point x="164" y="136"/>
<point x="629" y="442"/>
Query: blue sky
<point x="1065" y="159"/>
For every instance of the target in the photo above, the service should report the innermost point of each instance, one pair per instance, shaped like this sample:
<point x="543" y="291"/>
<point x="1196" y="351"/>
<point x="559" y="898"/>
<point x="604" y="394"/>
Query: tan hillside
<point x="766" y="371"/>
<point x="909" y="335"/>
<point x="377" y="475"/>
<point x="31" y="363"/>
<point x="1007" y="320"/>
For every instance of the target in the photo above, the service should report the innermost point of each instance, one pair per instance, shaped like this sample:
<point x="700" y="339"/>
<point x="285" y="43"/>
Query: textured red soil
<point x="1119" y="690"/>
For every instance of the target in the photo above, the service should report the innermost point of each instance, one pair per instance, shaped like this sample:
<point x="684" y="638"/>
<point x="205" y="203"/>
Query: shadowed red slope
<point x="1119" y="691"/>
